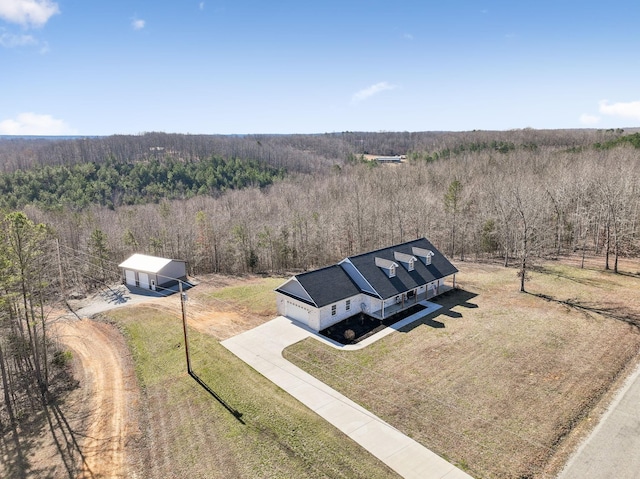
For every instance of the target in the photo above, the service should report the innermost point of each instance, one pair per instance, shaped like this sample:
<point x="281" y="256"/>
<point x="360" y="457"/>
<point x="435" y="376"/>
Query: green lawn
<point x="186" y="432"/>
<point x="256" y="296"/>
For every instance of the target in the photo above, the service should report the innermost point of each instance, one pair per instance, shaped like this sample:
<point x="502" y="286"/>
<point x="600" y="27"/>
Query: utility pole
<point x="183" y="301"/>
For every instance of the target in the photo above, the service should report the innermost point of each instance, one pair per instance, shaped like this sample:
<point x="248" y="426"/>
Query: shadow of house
<point x="152" y="273"/>
<point x="358" y="327"/>
<point x="160" y="291"/>
<point x="449" y="300"/>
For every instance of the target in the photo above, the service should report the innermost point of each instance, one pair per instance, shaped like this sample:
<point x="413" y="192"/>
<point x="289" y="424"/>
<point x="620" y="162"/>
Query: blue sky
<point x="83" y="67"/>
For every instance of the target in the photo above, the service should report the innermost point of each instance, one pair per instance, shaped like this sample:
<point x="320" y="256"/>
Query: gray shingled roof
<point x="332" y="284"/>
<point x="404" y="280"/>
<point x="327" y="285"/>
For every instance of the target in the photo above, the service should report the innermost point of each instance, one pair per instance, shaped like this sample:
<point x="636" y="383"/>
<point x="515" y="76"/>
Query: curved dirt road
<point x="107" y="390"/>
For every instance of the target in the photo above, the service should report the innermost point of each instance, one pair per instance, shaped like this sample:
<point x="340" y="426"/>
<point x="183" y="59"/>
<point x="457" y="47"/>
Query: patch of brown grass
<point x="496" y="381"/>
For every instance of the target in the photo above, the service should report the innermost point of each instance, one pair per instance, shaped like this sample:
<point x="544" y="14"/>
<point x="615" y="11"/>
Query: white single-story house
<point x="152" y="272"/>
<point x="379" y="283"/>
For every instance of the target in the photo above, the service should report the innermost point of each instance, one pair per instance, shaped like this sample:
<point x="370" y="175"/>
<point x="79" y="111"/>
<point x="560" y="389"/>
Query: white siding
<point x="365" y="303"/>
<point x="171" y="272"/>
<point x="326" y="319"/>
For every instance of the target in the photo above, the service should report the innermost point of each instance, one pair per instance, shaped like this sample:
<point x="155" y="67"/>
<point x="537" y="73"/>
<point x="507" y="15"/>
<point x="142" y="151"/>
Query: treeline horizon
<point x="510" y="196"/>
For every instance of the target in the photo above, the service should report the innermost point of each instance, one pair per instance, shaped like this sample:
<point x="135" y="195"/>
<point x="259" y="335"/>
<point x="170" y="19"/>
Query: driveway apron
<point x="262" y="348"/>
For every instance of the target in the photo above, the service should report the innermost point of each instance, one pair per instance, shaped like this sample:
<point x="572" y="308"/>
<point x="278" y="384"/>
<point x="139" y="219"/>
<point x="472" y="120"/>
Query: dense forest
<point x="247" y="205"/>
<point x="116" y="183"/>
<point x="288" y="203"/>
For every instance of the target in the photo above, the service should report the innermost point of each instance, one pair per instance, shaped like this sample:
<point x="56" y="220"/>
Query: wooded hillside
<point x="512" y="196"/>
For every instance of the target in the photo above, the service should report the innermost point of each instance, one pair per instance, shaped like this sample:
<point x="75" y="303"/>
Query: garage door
<point x="144" y="280"/>
<point x="298" y="313"/>
<point x="130" y="277"/>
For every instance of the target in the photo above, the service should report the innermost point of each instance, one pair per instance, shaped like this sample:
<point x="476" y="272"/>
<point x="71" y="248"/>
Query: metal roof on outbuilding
<point x="143" y="262"/>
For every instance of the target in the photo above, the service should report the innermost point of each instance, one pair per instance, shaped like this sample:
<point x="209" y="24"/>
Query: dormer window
<point x="388" y="266"/>
<point x="424" y="254"/>
<point x="407" y="260"/>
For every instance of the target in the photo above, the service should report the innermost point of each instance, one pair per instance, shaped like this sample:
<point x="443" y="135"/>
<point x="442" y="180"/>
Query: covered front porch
<point x="405" y="302"/>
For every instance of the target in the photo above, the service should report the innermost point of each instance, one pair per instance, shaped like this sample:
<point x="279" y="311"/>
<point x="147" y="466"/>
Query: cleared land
<point x="187" y="432"/>
<point x="501" y="383"/>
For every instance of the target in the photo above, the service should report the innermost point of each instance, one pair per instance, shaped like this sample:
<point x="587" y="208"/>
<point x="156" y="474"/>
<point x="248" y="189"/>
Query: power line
<point x="422" y="395"/>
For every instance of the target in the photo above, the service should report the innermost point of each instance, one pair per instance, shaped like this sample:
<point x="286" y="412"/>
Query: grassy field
<point x="255" y="297"/>
<point x="186" y="432"/>
<point x="499" y="382"/>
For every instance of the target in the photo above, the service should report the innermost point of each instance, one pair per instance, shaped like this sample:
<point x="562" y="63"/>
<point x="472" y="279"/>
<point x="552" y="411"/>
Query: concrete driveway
<point x="612" y="450"/>
<point x="262" y="347"/>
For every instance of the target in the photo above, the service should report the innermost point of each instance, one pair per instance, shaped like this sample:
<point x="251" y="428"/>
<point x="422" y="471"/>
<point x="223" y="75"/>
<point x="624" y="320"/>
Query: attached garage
<point x="152" y="272"/>
<point x="297" y="312"/>
<point x="318" y="299"/>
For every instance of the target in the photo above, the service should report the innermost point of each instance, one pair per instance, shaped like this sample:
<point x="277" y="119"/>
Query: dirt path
<point x="107" y="392"/>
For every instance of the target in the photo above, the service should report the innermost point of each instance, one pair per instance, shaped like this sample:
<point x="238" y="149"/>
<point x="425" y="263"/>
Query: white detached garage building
<point x="152" y="272"/>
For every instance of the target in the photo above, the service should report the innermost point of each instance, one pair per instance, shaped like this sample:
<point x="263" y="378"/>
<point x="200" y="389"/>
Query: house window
<point x="348" y="306"/>
<point x="333" y="310"/>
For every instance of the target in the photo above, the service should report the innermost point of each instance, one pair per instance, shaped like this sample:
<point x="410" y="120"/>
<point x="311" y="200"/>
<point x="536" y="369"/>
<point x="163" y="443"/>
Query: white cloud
<point x="586" y="119"/>
<point x="9" y="40"/>
<point x="137" y="24"/>
<point x="371" y="91"/>
<point x="35" y="124"/>
<point x="201" y="5"/>
<point x="33" y="13"/>
<point x="408" y="36"/>
<point x="625" y="110"/>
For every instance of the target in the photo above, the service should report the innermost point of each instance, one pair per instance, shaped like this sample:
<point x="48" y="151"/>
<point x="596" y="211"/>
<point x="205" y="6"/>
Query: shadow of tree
<point x="12" y="448"/>
<point x="613" y="311"/>
<point x="21" y="441"/>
